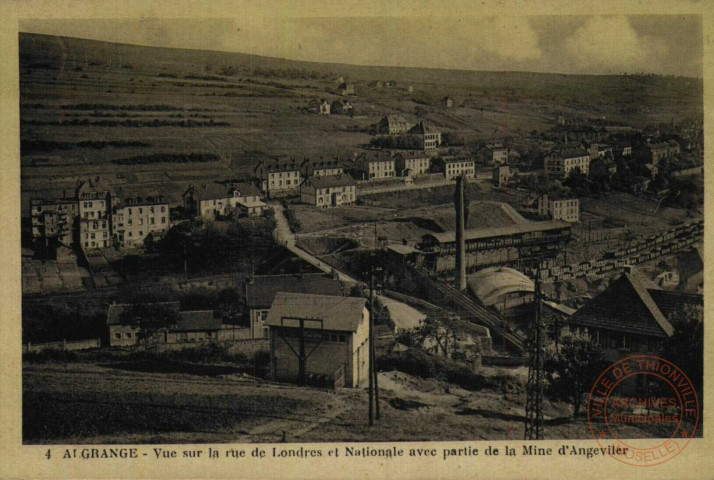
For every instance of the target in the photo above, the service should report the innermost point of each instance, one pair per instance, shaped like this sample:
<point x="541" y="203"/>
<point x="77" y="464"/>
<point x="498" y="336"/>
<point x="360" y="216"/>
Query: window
<point x="163" y="209"/>
<point x="141" y="210"/>
<point x="151" y="209"/>
<point x="92" y="235"/>
<point x="151" y="220"/>
<point x="163" y="219"/>
<point x="127" y="334"/>
<point x="130" y="234"/>
<point x="117" y="336"/>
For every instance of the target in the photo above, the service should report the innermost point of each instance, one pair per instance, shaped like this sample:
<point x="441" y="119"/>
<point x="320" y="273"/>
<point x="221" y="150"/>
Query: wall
<point x="63" y="345"/>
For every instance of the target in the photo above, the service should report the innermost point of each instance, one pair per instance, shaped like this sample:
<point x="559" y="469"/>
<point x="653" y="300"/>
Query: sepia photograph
<point x="363" y="229"/>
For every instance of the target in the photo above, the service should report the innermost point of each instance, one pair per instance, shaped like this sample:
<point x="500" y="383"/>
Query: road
<point x="284" y="237"/>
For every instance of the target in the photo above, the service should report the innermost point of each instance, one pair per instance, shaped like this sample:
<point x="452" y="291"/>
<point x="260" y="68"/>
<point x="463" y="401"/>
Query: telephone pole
<point x="534" y="387"/>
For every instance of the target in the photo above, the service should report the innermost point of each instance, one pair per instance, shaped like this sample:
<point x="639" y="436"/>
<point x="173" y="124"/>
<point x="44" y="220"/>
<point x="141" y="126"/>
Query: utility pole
<point x="534" y="387"/>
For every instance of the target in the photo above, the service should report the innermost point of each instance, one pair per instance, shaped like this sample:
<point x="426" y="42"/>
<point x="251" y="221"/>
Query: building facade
<point x="409" y="164"/>
<point x="329" y="190"/>
<point x="260" y="291"/>
<point x="321" y="167"/>
<point x="54" y="219"/>
<point x="212" y="199"/>
<point x="560" y="163"/>
<point x="393" y="125"/>
<point x="428" y="136"/>
<point x="453" y="167"/>
<point x="134" y="218"/>
<point x="278" y="176"/>
<point x="370" y="166"/>
<point x="493" y="154"/>
<point x="557" y="207"/>
<point x="94" y="206"/>
<point x="501" y="175"/>
<point x="333" y="329"/>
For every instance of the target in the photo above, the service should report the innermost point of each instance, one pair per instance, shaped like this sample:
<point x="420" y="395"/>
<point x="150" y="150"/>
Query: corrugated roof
<point x="335" y="313"/>
<point x="625" y="306"/>
<point x="474" y="234"/>
<point x="331" y="181"/>
<point x="490" y="284"/>
<point x="261" y="290"/>
<point x="198" y="320"/>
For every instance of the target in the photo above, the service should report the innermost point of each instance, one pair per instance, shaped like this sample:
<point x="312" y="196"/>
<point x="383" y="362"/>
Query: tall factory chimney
<point x="459" y="203"/>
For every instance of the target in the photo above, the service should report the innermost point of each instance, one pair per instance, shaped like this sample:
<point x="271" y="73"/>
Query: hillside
<point x="119" y="111"/>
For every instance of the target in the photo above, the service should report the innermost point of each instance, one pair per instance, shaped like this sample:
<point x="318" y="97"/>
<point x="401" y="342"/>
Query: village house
<point x="321" y="167"/>
<point x="501" y="175"/>
<point x="374" y="165"/>
<point x="260" y="291"/>
<point x="213" y="199"/>
<point x="136" y="215"/>
<point x="630" y="316"/>
<point x="393" y="125"/>
<point x="346" y="89"/>
<point x="411" y="163"/>
<point x="493" y="154"/>
<point x="54" y="219"/>
<point x="559" y="207"/>
<point x="447" y="102"/>
<point x="453" y="166"/>
<point x="410" y="89"/>
<point x="561" y="162"/>
<point x="329" y="190"/>
<point x="654" y="153"/>
<point x="429" y="137"/>
<point x="191" y="327"/>
<point x="335" y="332"/>
<point x="94" y="205"/>
<point x="278" y="176"/>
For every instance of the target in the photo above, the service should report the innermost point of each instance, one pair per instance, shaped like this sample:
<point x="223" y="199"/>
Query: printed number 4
<point x="48" y="454"/>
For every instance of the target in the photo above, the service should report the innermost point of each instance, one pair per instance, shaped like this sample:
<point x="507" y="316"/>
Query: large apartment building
<point x="136" y="216"/>
<point x="54" y="219"/>
<point x="329" y="190"/>
<point x="374" y="165"/>
<point x="429" y="137"/>
<point x="278" y="176"/>
<point x="412" y="163"/>
<point x="320" y="167"/>
<point x="94" y="201"/>
<point x="452" y="166"/>
<point x="561" y="162"/>
<point x="557" y="207"/>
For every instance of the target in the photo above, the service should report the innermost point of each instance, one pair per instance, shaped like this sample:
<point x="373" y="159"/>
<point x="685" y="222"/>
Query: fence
<point x="63" y="345"/>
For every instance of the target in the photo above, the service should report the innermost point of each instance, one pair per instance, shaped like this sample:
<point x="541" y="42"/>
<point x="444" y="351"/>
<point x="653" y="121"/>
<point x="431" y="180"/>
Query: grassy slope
<point x="89" y="403"/>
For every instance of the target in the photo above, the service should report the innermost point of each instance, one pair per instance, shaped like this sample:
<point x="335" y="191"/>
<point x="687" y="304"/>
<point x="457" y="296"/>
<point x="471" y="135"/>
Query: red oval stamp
<point x="643" y="410"/>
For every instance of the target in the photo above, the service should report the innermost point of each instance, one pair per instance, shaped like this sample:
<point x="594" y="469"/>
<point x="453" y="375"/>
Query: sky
<point x="661" y="44"/>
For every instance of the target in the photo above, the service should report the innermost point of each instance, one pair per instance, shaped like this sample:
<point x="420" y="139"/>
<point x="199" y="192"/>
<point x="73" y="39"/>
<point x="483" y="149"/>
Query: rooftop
<point x="261" y="290"/>
<point x="198" y="320"/>
<point x="490" y="284"/>
<point x="627" y="305"/>
<point x="474" y="234"/>
<point x="422" y="128"/>
<point x="116" y="309"/>
<point x="325" y="312"/>
<point x="331" y="181"/>
<point x="570" y="152"/>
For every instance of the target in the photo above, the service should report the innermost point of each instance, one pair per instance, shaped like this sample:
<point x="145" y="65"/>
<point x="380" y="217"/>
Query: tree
<point x="439" y="333"/>
<point x="149" y="318"/>
<point x="686" y="347"/>
<point x="572" y="368"/>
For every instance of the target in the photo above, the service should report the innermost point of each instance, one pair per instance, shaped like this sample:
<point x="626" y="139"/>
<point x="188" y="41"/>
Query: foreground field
<point x="118" y="403"/>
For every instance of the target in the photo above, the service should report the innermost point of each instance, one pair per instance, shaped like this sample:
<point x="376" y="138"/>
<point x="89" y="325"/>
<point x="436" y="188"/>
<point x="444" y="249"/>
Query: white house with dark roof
<point x="411" y="163"/>
<point x="559" y="207"/>
<point x="211" y="199"/>
<point x="332" y="331"/>
<point x="560" y="162"/>
<point x="260" y="291"/>
<point x="136" y="214"/>
<point x="278" y="176"/>
<point x="373" y="165"/>
<point x="322" y="166"/>
<point x="393" y="125"/>
<point x="329" y="191"/>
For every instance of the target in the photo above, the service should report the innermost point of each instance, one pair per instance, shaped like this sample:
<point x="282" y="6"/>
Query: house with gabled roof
<point x="630" y="316"/>
<point x="429" y="136"/>
<point x="260" y="291"/>
<point x="394" y="125"/>
<point x="278" y="176"/>
<point x="213" y="199"/>
<point x="332" y="332"/>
